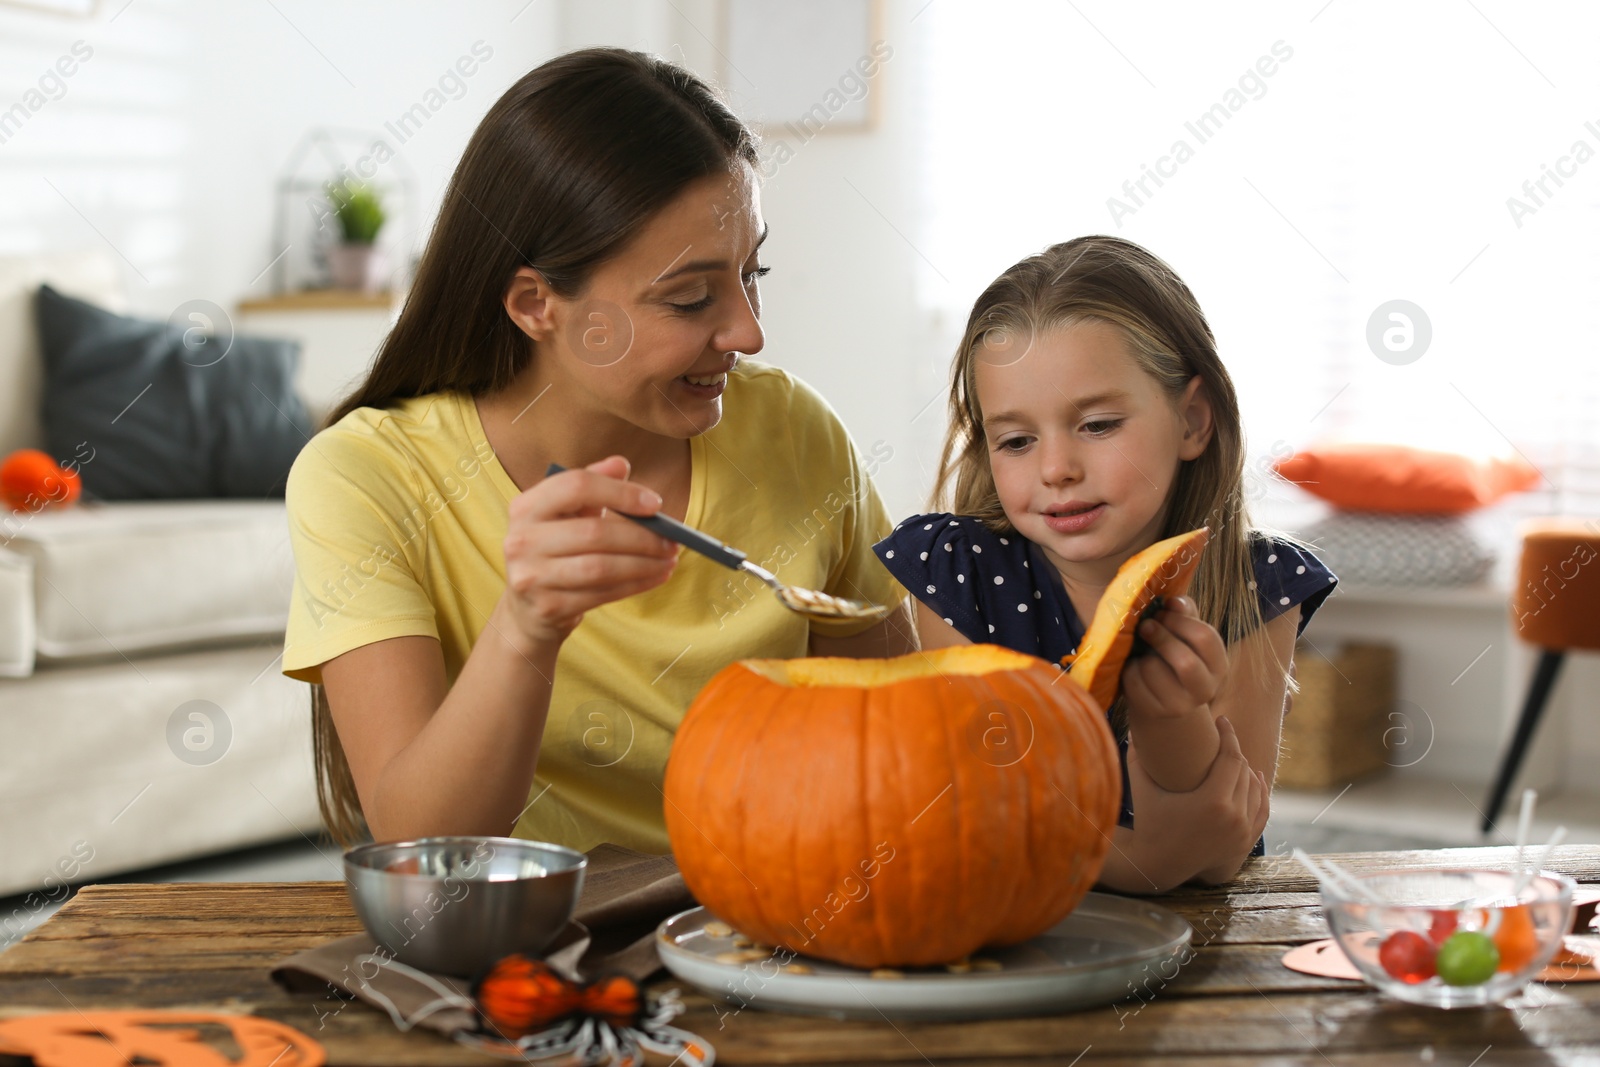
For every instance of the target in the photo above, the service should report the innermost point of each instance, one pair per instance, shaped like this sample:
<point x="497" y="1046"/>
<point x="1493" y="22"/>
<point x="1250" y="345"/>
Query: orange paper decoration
<point x="117" y="1038"/>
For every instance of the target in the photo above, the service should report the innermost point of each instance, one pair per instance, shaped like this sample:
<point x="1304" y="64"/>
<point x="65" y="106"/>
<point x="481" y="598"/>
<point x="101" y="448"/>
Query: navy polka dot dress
<point x="1003" y="590"/>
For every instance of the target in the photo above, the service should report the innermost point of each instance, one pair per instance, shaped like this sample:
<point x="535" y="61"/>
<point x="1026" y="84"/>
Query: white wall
<point x="839" y="307"/>
<point x="166" y="141"/>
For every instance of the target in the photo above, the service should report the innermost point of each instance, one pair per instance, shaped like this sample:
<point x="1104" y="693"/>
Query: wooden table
<point x="209" y="945"/>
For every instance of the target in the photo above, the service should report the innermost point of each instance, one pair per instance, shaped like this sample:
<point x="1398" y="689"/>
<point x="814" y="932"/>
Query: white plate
<point x="1107" y="949"/>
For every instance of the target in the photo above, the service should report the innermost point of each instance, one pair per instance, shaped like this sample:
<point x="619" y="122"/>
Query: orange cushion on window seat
<point x="1402" y="480"/>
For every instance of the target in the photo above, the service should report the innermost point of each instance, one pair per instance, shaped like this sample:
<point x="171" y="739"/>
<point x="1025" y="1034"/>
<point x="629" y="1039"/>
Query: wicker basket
<point x="1333" y="733"/>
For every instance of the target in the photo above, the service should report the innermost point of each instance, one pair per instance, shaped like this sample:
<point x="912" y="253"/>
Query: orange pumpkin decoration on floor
<point x="900" y="812"/>
<point x="1163" y="570"/>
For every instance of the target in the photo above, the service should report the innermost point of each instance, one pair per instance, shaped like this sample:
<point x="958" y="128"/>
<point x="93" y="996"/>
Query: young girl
<point x="1090" y="418"/>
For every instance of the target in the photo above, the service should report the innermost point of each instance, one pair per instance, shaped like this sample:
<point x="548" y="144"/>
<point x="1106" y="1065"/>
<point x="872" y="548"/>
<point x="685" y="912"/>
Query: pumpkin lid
<point x="1165" y="569"/>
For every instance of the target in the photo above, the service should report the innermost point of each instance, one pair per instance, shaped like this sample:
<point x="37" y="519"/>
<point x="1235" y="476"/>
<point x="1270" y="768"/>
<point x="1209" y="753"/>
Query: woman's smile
<point x="707" y="385"/>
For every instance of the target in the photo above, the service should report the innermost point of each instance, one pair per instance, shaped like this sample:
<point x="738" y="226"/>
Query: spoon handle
<point x="673" y="530"/>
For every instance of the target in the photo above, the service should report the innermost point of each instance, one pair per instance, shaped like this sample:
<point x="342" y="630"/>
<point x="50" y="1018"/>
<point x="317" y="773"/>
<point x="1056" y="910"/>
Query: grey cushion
<point x="158" y="420"/>
<point x="1366" y="548"/>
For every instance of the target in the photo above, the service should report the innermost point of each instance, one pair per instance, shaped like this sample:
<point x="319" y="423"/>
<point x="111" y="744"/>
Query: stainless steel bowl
<point x="455" y="905"/>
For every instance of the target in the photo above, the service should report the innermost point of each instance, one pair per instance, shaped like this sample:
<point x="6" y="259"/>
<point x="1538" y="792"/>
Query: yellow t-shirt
<point x="397" y="518"/>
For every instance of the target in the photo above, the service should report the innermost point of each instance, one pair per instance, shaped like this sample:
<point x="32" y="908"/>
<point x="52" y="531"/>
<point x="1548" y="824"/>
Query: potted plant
<point x="356" y="262"/>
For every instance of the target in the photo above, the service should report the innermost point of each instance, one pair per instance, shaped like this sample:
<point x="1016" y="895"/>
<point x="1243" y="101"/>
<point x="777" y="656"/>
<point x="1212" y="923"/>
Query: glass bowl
<point x="1450" y="938"/>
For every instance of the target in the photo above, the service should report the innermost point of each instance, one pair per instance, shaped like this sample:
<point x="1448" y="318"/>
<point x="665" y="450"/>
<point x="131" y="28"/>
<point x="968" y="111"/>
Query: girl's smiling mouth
<point x="1073" y="516"/>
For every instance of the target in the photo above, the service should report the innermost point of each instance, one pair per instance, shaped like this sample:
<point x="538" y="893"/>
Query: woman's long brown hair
<point x="565" y="168"/>
<point x="1111" y="280"/>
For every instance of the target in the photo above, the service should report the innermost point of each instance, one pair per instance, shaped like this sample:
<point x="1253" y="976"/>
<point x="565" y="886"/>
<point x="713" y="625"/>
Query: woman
<point x="494" y="651"/>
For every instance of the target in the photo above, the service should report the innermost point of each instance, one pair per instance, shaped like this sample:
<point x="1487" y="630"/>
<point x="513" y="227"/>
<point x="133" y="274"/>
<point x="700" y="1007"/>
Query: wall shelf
<point x="320" y="300"/>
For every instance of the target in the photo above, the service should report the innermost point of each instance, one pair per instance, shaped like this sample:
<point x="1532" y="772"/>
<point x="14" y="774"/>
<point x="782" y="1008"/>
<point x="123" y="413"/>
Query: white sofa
<point x="143" y="718"/>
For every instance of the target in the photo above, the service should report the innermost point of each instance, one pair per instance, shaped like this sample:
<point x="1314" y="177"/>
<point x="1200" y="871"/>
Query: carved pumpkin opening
<point x="964" y="660"/>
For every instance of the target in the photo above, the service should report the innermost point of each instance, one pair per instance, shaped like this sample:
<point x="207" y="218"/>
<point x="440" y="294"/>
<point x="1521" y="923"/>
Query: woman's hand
<point x="1206" y="833"/>
<point x="1185" y="669"/>
<point x="565" y="555"/>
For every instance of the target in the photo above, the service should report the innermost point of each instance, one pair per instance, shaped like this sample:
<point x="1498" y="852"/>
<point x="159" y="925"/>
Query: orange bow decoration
<point x="118" y="1038"/>
<point x="520" y="996"/>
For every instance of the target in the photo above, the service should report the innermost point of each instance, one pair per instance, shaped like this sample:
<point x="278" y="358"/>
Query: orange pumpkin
<point x="909" y="811"/>
<point x="30" y="481"/>
<point x="892" y="812"/>
<point x="1165" y="569"/>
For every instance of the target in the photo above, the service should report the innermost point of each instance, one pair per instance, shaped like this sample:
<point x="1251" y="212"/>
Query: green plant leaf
<point x="359" y="210"/>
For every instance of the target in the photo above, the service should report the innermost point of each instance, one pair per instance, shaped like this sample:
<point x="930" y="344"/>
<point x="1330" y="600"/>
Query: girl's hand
<point x="1249" y="811"/>
<point x="565" y="555"/>
<point x="1184" y="670"/>
<point x="1206" y="833"/>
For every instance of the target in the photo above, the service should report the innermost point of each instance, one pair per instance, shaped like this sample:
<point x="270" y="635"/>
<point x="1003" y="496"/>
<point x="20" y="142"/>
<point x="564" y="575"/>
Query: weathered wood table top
<point x="210" y="946"/>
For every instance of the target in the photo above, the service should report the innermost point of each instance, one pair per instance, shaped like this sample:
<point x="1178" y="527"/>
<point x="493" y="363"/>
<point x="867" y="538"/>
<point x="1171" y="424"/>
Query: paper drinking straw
<point x="1332" y="874"/>
<point x="1524" y="822"/>
<point x="1525" y="875"/>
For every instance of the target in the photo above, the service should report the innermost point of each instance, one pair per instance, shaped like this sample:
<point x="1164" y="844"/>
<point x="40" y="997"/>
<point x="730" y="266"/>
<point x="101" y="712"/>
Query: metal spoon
<point x="809" y="602"/>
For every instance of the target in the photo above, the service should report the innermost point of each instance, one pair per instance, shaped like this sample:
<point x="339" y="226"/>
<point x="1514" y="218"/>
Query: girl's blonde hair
<point x="1107" y="279"/>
